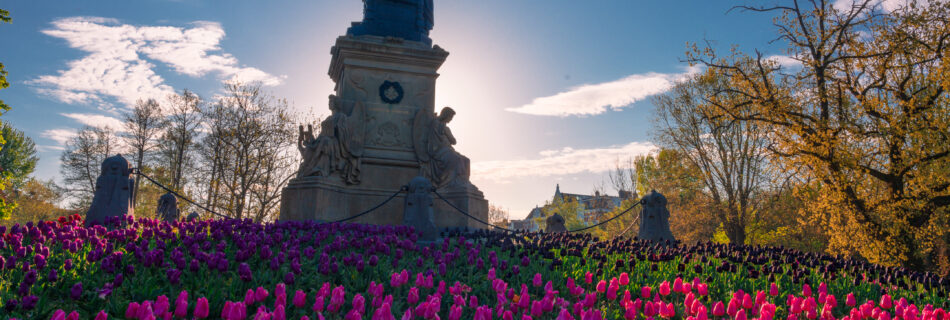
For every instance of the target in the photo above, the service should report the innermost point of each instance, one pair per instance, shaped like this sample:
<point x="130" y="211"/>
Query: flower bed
<point x="232" y="269"/>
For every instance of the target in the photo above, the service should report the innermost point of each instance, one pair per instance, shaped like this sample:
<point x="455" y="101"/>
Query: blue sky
<point x="547" y="92"/>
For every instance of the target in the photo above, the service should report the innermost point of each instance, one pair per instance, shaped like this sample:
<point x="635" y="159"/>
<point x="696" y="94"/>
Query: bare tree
<point x="81" y="161"/>
<point x="179" y="136"/>
<point x="731" y="155"/>
<point x="497" y="215"/>
<point x="143" y="124"/>
<point x="248" y="150"/>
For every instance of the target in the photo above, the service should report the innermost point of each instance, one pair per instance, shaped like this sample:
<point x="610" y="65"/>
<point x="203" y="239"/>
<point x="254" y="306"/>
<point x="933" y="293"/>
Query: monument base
<point x="330" y="199"/>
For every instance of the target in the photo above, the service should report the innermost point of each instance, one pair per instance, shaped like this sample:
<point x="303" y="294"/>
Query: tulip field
<point x="237" y="269"/>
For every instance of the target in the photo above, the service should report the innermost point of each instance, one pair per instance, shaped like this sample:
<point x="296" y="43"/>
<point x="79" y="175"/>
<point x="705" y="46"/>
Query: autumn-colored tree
<point x="37" y="200"/>
<point x="568" y="208"/>
<point x="497" y="215"/>
<point x="866" y="115"/>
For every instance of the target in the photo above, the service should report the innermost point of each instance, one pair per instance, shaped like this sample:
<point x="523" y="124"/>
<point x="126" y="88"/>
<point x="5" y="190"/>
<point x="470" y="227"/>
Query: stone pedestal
<point x="387" y="81"/>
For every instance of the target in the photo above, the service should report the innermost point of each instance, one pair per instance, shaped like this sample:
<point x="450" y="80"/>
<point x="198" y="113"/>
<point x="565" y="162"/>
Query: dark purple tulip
<point x="52" y="276"/>
<point x="29" y="302"/>
<point x="244" y="271"/>
<point x="289" y="278"/>
<point x="76" y="292"/>
<point x="30" y="277"/>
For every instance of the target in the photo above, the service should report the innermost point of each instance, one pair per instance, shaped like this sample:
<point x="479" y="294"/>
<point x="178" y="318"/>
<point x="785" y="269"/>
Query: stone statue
<point x="433" y="145"/>
<point x="418" y="209"/>
<point x="654" y="218"/>
<point x="407" y="19"/>
<point x="555" y="223"/>
<point x="337" y="149"/>
<point x="114" y="191"/>
<point x="167" y="208"/>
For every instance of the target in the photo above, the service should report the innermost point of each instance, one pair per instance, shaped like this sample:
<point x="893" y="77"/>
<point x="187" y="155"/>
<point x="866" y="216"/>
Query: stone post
<point x="654" y="218"/>
<point x="114" y="191"/>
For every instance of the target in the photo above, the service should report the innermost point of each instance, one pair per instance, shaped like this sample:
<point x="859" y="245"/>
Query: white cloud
<point x="845" y="6"/>
<point x="559" y="162"/>
<point x="98" y="121"/>
<point x="784" y="61"/>
<point x="61" y="136"/>
<point x="592" y="99"/>
<point x="116" y="65"/>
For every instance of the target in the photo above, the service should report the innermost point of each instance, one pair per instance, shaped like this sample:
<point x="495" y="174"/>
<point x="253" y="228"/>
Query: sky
<point x="547" y="92"/>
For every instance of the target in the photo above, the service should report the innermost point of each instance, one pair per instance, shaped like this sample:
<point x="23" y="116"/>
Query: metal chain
<point x="403" y="188"/>
<point x="143" y="175"/>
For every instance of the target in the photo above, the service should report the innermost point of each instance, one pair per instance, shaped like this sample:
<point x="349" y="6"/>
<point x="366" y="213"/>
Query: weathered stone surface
<point x="418" y="209"/>
<point x="389" y="84"/>
<point x="555" y="223"/>
<point x="167" y="208"/>
<point x="114" y="191"/>
<point x="654" y="218"/>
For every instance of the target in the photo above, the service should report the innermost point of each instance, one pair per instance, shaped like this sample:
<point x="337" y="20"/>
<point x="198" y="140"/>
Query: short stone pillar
<point x="167" y="208"/>
<point x="114" y="191"/>
<point x="555" y="223"/>
<point x="193" y="216"/>
<point x="418" y="209"/>
<point x="654" y="218"/>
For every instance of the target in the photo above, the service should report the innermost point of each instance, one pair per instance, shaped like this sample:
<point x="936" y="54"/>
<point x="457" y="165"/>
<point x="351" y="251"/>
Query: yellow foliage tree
<point x="866" y="114"/>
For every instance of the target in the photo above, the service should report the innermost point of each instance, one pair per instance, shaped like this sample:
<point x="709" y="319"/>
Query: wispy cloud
<point x="592" y="99"/>
<point x="95" y="120"/>
<point x="565" y="161"/>
<point x="61" y="136"/>
<point x="116" y="65"/>
<point x="885" y="5"/>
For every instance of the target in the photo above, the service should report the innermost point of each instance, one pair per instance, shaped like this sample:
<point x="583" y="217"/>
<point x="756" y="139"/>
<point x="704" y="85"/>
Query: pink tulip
<point x="455" y="312"/>
<point x="601" y="286"/>
<point x="822" y="288"/>
<point x="773" y="289"/>
<point x="719" y="309"/>
<point x="413" y="295"/>
<point x="318" y="304"/>
<point x="588" y="277"/>
<point x="483" y="313"/>
<point x="732" y="308"/>
<point x="678" y="285"/>
<point x="886" y="301"/>
<point x="249" y="297"/>
<point x="131" y="310"/>
<point x="359" y="303"/>
<point x="385" y="313"/>
<point x="260" y="294"/>
<point x="300" y="299"/>
<point x="702" y="289"/>
<point x="645" y="292"/>
<point x="537" y="281"/>
<point x="337" y="298"/>
<point x="102" y="315"/>
<point x="58" y="315"/>
<point x="201" y="308"/>
<point x="740" y="315"/>
<point x="525" y="316"/>
<point x="665" y="288"/>
<point x="612" y="289"/>
<point x="806" y="290"/>
<point x="747" y="301"/>
<point x="507" y="315"/>
<point x="181" y="304"/>
<point x="565" y="315"/>
<point x="73" y="316"/>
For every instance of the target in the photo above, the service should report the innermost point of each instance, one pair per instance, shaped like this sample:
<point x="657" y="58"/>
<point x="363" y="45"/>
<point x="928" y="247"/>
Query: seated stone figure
<point x="445" y="166"/>
<point x="335" y="149"/>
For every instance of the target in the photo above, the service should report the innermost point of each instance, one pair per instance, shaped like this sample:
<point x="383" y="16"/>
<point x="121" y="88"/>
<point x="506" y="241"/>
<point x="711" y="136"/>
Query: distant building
<point x="593" y="207"/>
<point x="529" y="222"/>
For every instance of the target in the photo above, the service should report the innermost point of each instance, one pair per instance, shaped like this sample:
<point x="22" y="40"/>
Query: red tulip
<point x="773" y="289"/>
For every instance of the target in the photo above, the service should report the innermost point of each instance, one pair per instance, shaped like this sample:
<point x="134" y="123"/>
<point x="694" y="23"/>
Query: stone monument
<point x="555" y="223"/>
<point x="654" y="218"/>
<point x="382" y="130"/>
<point x="167" y="208"/>
<point x="418" y="210"/>
<point x="114" y="191"/>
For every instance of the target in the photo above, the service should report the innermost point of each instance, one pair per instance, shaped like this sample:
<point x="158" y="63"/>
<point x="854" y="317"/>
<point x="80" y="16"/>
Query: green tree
<point x="569" y="208"/>
<point x="5" y="206"/>
<point x="17" y="155"/>
<point x="37" y="200"/>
